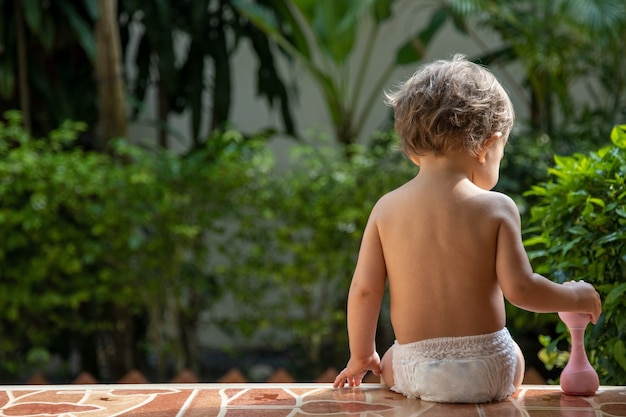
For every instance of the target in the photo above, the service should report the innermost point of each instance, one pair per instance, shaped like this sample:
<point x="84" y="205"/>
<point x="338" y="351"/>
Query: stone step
<point x="235" y="376"/>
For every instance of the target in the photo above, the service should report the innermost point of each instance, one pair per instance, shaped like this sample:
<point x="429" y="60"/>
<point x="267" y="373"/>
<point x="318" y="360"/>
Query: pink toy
<point x="578" y="377"/>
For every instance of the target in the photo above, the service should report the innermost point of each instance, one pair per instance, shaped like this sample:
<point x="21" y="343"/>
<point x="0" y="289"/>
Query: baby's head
<point x="450" y="105"/>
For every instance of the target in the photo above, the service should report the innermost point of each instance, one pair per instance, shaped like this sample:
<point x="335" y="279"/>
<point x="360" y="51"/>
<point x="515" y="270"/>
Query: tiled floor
<point x="287" y="400"/>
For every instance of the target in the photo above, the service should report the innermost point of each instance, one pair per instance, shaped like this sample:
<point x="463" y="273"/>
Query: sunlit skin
<point x="450" y="250"/>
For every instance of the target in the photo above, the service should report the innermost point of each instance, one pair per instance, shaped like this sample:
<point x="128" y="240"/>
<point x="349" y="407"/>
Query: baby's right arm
<point x="531" y="291"/>
<point x="545" y="296"/>
<point x="587" y="293"/>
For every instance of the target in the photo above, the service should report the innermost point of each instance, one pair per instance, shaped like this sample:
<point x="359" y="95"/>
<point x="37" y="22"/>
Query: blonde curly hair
<point x="450" y="105"/>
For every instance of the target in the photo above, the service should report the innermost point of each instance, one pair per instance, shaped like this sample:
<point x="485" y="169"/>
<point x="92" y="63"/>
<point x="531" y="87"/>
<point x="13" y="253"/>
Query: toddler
<point x="449" y="249"/>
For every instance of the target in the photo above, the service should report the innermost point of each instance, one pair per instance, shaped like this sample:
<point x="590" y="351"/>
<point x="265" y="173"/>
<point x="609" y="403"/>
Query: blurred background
<point x="184" y="184"/>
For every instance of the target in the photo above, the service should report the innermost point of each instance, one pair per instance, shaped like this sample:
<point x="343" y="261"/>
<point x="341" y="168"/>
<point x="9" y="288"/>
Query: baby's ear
<point x="491" y="140"/>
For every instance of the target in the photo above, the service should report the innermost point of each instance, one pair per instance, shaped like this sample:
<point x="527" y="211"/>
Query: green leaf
<point x="7" y="77"/>
<point x="382" y="10"/>
<point x="619" y="353"/>
<point x="614" y="295"/>
<point x="38" y="355"/>
<point x="544" y="340"/>
<point x="335" y="26"/>
<point x="82" y="28"/>
<point x="536" y="240"/>
<point x="612" y="237"/>
<point x="92" y="9"/>
<point x="415" y="48"/>
<point x="48" y="33"/>
<point x="618" y="136"/>
<point x="258" y="14"/>
<point x="597" y="201"/>
<point x="32" y="15"/>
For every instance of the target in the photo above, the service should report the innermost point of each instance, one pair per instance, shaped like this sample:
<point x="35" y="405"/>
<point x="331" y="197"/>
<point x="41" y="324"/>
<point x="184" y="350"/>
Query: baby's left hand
<point x="356" y="369"/>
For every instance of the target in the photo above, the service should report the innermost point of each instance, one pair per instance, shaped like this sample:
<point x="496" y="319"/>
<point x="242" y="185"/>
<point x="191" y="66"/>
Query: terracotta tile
<point x="36" y="409"/>
<point x="153" y="403"/>
<point x="542" y="398"/>
<point x="327" y="376"/>
<point x="278" y="400"/>
<point x="504" y="408"/>
<point x="611" y="396"/>
<point x="327" y="407"/>
<point x="533" y="377"/>
<point x="185" y="377"/>
<point x="233" y="376"/>
<point x="572" y="401"/>
<point x="134" y="377"/>
<point x="342" y="394"/>
<point x="235" y="412"/>
<point x="85" y="378"/>
<point x="456" y="410"/>
<point x="263" y="397"/>
<point x="280" y="376"/>
<point x="37" y="379"/>
<point x="561" y="413"/>
<point x="203" y="403"/>
<point x="614" y="409"/>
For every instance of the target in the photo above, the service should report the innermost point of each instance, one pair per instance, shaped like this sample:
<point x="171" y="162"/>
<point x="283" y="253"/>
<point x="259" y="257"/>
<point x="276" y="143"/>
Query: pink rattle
<point x="578" y="377"/>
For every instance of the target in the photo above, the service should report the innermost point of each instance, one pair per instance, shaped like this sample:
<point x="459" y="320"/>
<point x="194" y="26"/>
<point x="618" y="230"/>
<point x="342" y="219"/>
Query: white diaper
<point x="468" y="369"/>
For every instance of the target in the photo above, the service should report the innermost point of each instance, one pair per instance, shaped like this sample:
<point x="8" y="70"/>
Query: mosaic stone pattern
<point x="287" y="400"/>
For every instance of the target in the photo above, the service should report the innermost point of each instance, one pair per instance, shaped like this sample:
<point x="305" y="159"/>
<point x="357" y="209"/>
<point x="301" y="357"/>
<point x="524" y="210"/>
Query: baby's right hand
<point x="588" y="299"/>
<point x="356" y="369"/>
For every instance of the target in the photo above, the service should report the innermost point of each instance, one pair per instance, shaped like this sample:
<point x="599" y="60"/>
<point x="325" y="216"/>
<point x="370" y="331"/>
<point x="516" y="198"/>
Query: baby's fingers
<point x="352" y="380"/>
<point x="340" y="380"/>
<point x="344" y="377"/>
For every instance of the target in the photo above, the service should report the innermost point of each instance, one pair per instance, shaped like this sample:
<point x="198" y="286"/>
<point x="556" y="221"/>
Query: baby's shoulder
<point x="395" y="196"/>
<point x="496" y="197"/>
<point x="499" y="204"/>
<point x="391" y="203"/>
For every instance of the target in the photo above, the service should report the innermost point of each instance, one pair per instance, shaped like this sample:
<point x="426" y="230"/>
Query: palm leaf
<point x="32" y="15"/>
<point x="414" y="49"/>
<point x="82" y="28"/>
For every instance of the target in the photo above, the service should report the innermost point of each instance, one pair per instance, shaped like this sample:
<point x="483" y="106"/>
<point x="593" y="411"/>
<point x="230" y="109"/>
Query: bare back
<point x="439" y="244"/>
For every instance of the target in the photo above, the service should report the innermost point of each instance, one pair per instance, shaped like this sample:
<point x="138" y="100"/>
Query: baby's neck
<point x="451" y="168"/>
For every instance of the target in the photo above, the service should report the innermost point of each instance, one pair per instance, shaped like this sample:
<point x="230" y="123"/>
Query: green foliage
<point x="303" y="233"/>
<point x="167" y="237"/>
<point x="47" y="58"/>
<point x="46" y="61"/>
<point x="550" y="355"/>
<point x="559" y="44"/>
<point x="211" y="33"/>
<point x="87" y="235"/>
<point x="324" y="36"/>
<point x="50" y="216"/>
<point x="579" y="232"/>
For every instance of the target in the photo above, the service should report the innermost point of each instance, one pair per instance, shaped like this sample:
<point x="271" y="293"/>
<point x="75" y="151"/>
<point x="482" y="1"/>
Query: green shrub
<point x="302" y="238"/>
<point x="90" y="241"/>
<point x="58" y="251"/>
<point x="579" y="232"/>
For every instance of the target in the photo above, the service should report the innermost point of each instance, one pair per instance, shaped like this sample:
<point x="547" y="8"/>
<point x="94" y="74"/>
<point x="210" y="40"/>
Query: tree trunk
<point x="112" y="104"/>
